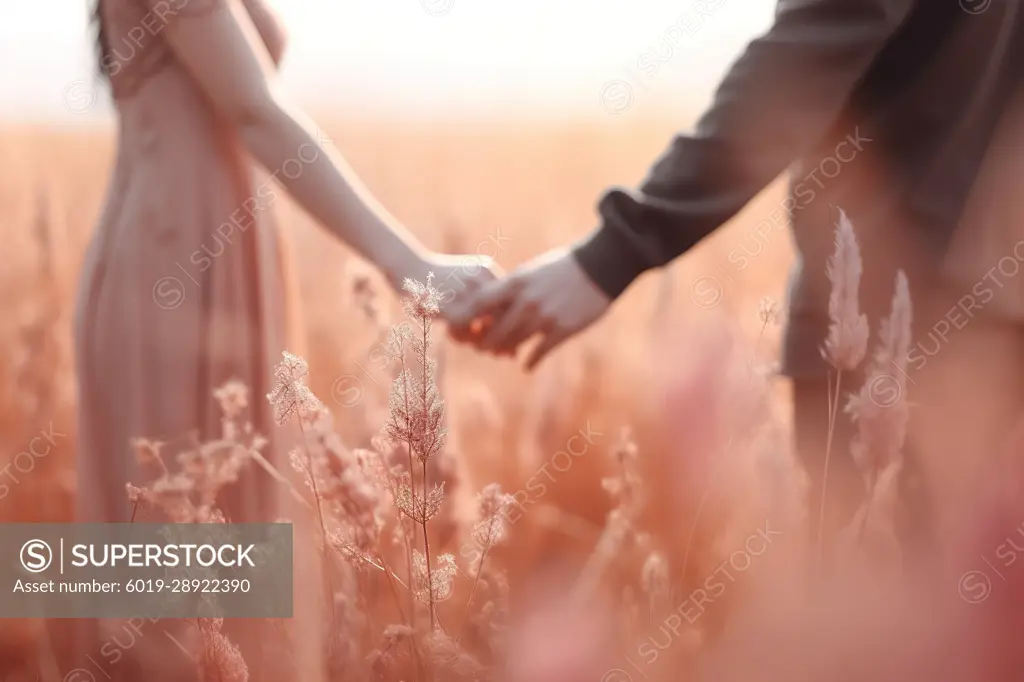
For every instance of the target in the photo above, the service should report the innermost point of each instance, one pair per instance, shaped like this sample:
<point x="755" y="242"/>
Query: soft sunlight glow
<point x="442" y="55"/>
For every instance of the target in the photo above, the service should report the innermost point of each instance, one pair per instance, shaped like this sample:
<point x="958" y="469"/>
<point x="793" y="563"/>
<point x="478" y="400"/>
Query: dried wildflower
<point x="414" y="506"/>
<point x="446" y="654"/>
<point x="424" y="300"/>
<point x="880" y="410"/>
<point x="233" y="398"/>
<point x="631" y="611"/>
<point x="382" y="659"/>
<point x="417" y="423"/>
<point x="299" y="464"/>
<point x="342" y="481"/>
<point x="417" y="412"/>
<point x="489" y="530"/>
<point x="135" y="495"/>
<point x="148" y="452"/>
<point x="290" y="395"/>
<point x="625" y="490"/>
<point x="173" y="491"/>
<point x="847" y="340"/>
<point x="207" y="514"/>
<point x="625" y="486"/>
<point x="398" y="338"/>
<point x="654" y="577"/>
<point x="397" y="632"/>
<point x="492" y="506"/>
<point x="212" y="466"/>
<point x="489" y="625"/>
<point x="437" y="583"/>
<point x="768" y="310"/>
<point x="220" y="659"/>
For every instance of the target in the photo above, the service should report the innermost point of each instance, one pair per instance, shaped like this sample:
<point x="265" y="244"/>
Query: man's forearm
<point x="777" y="100"/>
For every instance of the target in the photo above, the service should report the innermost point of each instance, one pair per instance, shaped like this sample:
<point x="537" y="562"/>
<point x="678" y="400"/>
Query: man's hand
<point x="550" y="296"/>
<point x="457" y="278"/>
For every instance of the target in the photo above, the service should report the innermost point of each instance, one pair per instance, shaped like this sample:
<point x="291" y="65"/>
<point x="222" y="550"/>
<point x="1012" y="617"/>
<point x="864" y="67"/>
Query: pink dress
<point x="185" y="284"/>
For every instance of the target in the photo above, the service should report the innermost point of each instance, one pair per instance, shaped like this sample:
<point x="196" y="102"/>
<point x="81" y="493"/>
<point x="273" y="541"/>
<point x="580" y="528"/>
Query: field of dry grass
<point x="683" y="362"/>
<point x="510" y="189"/>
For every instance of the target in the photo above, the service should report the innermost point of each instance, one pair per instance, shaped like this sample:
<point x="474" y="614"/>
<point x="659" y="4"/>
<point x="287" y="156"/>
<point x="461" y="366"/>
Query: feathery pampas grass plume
<point x="881" y="413"/>
<point x="881" y="410"/>
<point x="847" y="340"/>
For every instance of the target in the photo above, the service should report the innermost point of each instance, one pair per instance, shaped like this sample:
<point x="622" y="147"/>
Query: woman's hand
<point x="456" y="277"/>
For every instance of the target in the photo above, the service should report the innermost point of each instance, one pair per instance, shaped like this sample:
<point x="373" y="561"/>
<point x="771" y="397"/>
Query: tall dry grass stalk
<point x="847" y="339"/>
<point x="881" y="417"/>
<point x="621" y="527"/>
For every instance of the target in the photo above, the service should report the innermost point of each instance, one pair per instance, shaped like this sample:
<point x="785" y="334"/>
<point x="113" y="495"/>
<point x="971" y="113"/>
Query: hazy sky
<point x="420" y="55"/>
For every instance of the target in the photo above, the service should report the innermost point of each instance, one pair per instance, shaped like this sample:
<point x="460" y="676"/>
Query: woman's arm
<point x="217" y="43"/>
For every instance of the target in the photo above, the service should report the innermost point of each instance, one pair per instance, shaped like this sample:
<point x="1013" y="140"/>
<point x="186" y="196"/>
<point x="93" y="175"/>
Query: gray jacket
<point x="888" y="109"/>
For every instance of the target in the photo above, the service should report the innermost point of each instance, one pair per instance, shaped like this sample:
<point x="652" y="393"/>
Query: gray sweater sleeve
<point x="777" y="100"/>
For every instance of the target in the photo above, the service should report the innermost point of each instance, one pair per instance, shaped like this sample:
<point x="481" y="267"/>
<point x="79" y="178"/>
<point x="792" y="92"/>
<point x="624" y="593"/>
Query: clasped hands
<point x="549" y="297"/>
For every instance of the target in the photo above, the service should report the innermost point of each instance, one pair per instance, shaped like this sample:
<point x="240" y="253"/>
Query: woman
<point x="186" y="284"/>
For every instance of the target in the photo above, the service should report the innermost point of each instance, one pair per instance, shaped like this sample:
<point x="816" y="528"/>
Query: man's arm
<point x="778" y="99"/>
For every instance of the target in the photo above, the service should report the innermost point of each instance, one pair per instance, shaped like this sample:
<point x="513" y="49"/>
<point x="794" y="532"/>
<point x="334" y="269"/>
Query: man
<point x="889" y="110"/>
